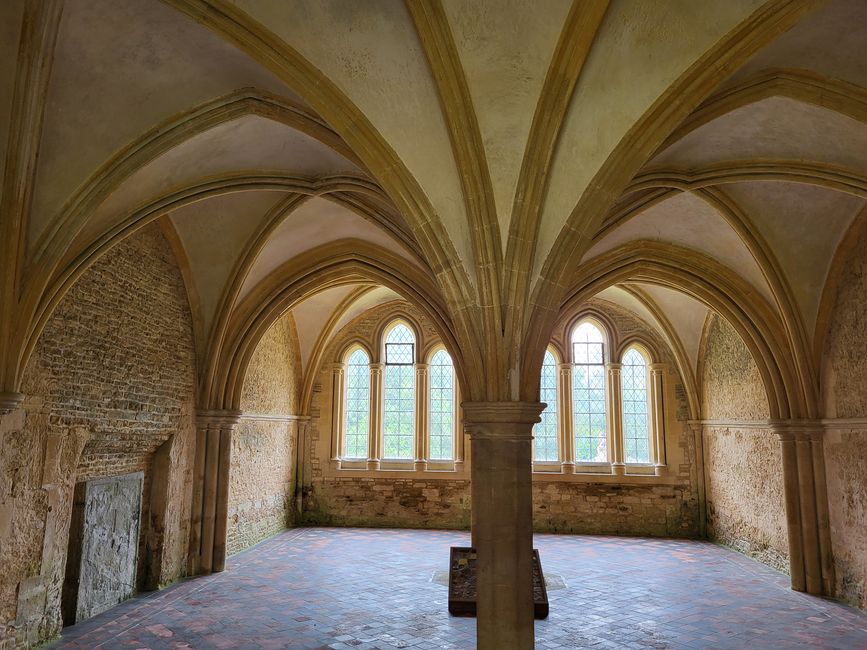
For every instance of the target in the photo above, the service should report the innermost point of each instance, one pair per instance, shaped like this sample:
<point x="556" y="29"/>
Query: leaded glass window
<point x="636" y="429"/>
<point x="442" y="406"/>
<point x="398" y="414"/>
<point x="588" y="394"/>
<point x="357" y="405"/>
<point x="545" y="432"/>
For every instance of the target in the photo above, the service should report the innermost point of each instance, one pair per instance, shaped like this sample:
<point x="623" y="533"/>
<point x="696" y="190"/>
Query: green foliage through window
<point x="545" y="432"/>
<point x="357" y="405"/>
<point x="442" y="406"/>
<point x="398" y="417"/>
<point x="636" y="428"/>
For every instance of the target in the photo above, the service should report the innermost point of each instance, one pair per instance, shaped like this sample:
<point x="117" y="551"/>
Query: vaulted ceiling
<point x="503" y="155"/>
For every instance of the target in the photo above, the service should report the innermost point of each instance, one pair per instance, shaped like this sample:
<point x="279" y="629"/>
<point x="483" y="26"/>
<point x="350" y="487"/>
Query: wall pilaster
<point x="811" y="562"/>
<point x="214" y="430"/>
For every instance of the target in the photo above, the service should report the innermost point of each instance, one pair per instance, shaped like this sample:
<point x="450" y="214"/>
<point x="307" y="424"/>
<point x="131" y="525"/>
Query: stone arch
<point x="715" y="286"/>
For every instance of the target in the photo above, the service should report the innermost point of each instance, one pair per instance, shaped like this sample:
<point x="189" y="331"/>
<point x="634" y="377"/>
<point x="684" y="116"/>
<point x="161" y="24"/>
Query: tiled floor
<point x="360" y="589"/>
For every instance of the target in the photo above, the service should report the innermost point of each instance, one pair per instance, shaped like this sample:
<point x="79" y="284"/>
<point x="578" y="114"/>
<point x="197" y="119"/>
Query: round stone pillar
<point x="502" y="520"/>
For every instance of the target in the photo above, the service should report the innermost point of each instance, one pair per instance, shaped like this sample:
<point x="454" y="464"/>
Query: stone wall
<point x="389" y="502"/>
<point x="844" y="381"/>
<point x="742" y="458"/>
<point x="588" y="508"/>
<point x="558" y="506"/>
<point x="626" y="505"/>
<point x="262" y="475"/>
<point x="110" y="381"/>
<point x="731" y="386"/>
<point x="746" y="508"/>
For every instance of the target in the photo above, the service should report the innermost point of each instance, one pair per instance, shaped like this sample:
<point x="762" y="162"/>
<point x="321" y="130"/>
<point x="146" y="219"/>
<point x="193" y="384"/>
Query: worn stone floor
<point x="366" y="588"/>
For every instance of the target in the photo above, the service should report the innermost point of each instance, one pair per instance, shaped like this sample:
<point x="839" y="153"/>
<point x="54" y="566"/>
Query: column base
<point x="618" y="469"/>
<point x="420" y="465"/>
<point x="660" y="470"/>
<point x="567" y="468"/>
<point x="373" y="464"/>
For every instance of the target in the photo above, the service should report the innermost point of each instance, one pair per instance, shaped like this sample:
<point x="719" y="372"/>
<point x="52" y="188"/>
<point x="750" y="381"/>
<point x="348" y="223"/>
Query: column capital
<point x="657" y="368"/>
<point x="338" y="367"/>
<point x="501" y="420"/>
<point x="217" y="418"/>
<point x="421" y="367"/>
<point x="798" y="429"/>
<point x="10" y="401"/>
<point x="565" y="367"/>
<point x="613" y="367"/>
<point x="377" y="366"/>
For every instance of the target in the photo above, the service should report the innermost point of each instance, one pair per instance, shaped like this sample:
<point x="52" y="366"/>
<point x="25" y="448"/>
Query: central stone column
<point x="502" y="520"/>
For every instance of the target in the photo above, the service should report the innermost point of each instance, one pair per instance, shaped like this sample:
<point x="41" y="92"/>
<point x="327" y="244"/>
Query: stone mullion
<point x="422" y="416"/>
<point x="657" y="417"/>
<point x="615" y="418"/>
<point x="374" y="440"/>
<point x="338" y="423"/>
<point x="565" y="425"/>
<point x="459" y="438"/>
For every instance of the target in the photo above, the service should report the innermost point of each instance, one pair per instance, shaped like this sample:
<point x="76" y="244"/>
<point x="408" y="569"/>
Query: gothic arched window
<point x="588" y="393"/>
<point x="357" y="429"/>
<point x="398" y="404"/>
<point x="636" y="424"/>
<point x="545" y="447"/>
<point x="442" y="406"/>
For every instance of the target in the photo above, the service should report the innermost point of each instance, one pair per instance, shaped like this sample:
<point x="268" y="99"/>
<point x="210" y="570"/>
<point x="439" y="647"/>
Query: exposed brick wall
<point x="262" y="475"/>
<point x="615" y="509"/>
<point x="743" y="465"/>
<point x="111" y="379"/>
<point x="844" y="381"/>
<point x="397" y="503"/>
<point x="558" y="506"/>
<point x="669" y="509"/>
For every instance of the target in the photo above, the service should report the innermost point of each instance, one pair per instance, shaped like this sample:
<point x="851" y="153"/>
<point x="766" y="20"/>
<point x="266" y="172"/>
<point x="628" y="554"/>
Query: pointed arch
<point x="790" y="394"/>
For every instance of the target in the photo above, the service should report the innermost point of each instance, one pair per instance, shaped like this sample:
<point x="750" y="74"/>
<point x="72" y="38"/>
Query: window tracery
<point x="357" y="427"/>
<point x="398" y="413"/>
